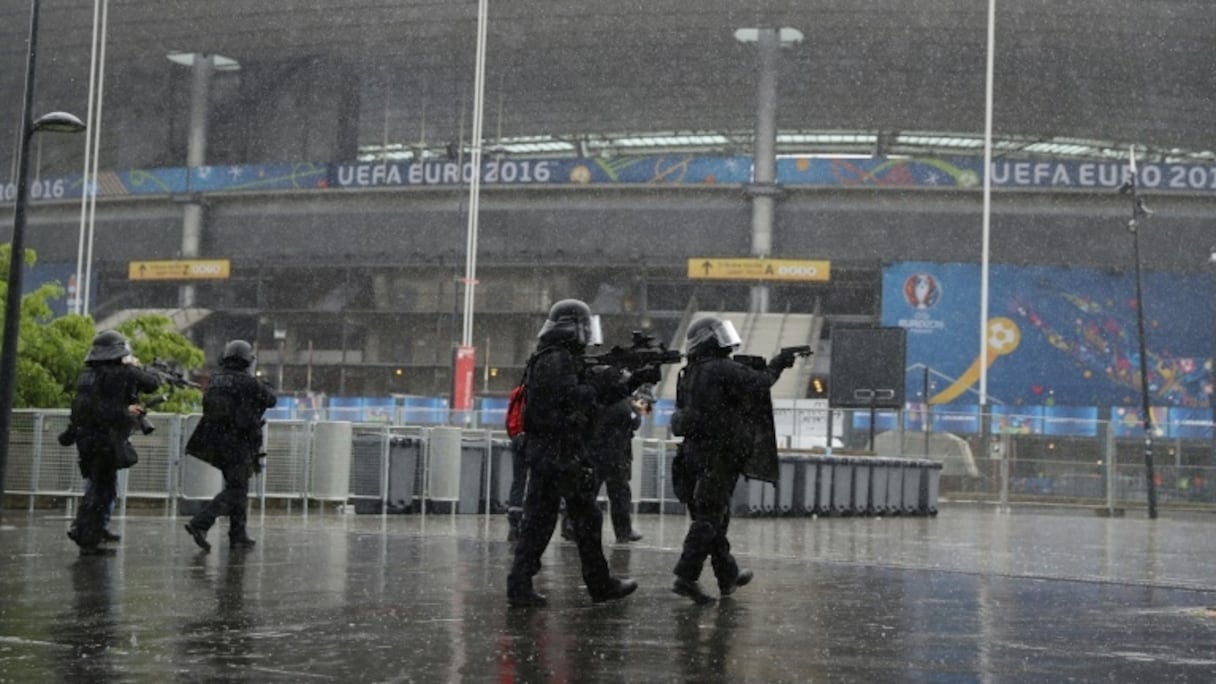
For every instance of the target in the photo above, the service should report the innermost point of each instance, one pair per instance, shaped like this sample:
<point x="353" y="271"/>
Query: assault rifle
<point x="168" y="374"/>
<point x="641" y="353"/>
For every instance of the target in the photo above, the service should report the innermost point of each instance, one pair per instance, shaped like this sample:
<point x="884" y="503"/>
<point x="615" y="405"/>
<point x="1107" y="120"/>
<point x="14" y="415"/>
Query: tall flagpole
<point x="470" y="275"/>
<point x="987" y="216"/>
<point x="87" y="188"/>
<point x="464" y="360"/>
<point x="101" y="89"/>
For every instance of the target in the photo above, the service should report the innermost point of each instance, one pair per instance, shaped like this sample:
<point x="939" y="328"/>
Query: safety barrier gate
<point x="380" y="468"/>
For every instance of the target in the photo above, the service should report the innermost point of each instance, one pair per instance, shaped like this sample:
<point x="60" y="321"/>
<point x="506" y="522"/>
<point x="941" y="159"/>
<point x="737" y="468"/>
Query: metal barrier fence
<point x="379" y="467"/>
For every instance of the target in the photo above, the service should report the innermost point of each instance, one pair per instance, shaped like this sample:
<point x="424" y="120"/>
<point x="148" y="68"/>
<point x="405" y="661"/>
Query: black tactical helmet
<point x="712" y="335"/>
<point x="237" y="354"/>
<point x="571" y="320"/>
<point x="108" y="345"/>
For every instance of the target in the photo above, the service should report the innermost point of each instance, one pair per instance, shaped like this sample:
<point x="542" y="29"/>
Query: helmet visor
<point x="595" y="335"/>
<point x="724" y="333"/>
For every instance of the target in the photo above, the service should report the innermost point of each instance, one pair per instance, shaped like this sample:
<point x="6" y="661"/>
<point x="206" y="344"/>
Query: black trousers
<point x="620" y="497"/>
<point x="548" y="484"/>
<point x="97" y="465"/>
<point x="709" y="511"/>
<point x="519" y="479"/>
<point x="232" y="501"/>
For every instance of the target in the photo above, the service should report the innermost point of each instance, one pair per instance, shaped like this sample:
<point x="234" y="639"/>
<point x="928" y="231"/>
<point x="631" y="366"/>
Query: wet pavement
<point x="1034" y="595"/>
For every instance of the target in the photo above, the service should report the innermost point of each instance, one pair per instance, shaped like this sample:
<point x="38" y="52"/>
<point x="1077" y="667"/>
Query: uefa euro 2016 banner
<point x="1054" y="336"/>
<point x="928" y="173"/>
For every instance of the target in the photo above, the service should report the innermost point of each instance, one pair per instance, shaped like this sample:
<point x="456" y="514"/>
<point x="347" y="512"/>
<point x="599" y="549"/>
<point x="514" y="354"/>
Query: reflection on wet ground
<point x="971" y="595"/>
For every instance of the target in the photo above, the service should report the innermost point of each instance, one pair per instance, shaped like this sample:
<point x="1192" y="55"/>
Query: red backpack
<point x="516" y="402"/>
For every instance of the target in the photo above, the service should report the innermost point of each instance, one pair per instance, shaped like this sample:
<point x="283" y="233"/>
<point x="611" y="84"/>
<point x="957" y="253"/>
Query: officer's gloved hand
<point x="782" y="361"/>
<point x="648" y="375"/>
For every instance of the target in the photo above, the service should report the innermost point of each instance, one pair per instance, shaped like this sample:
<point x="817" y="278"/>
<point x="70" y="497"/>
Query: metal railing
<point x="394" y="468"/>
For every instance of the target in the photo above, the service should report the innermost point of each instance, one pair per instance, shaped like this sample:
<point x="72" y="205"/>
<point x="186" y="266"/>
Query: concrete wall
<point x="658" y="227"/>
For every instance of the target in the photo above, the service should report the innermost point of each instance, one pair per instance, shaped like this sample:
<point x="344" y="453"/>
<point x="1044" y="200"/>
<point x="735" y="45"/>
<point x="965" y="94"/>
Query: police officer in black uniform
<point x="103" y="413"/>
<point x="563" y="398"/>
<point x="229" y="437"/>
<point x="519" y="485"/>
<point x="712" y="394"/>
<point x="611" y="450"/>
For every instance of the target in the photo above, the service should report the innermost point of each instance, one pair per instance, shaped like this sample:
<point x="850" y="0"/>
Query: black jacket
<point x="560" y="403"/>
<point x="563" y="399"/>
<point x="231" y="428"/>
<point x="612" y="434"/>
<point x="104" y="391"/>
<point x="100" y="421"/>
<point x="716" y="398"/>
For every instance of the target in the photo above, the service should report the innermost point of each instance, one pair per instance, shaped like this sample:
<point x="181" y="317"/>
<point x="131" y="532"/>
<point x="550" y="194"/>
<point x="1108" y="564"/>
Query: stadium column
<point x="763" y="189"/>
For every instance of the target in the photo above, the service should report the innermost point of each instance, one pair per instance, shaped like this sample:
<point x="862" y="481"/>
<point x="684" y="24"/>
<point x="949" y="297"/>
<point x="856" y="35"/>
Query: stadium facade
<point x="326" y="162"/>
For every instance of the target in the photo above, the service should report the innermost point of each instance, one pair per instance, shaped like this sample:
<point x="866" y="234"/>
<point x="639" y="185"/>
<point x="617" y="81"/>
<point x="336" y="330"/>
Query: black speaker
<point x="868" y="368"/>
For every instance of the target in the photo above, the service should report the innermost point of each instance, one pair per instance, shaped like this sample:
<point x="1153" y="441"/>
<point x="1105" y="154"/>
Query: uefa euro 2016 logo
<point x="921" y="291"/>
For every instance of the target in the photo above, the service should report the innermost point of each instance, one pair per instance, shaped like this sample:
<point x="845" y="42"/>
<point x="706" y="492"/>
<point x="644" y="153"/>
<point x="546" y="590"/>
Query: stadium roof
<point x="1072" y="77"/>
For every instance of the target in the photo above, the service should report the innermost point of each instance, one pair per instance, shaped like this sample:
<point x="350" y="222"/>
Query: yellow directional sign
<point x="760" y="269"/>
<point x="185" y="269"/>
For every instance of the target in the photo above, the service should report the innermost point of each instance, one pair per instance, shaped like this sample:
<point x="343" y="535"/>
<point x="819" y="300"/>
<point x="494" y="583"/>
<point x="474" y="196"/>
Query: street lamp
<point x="59" y="122"/>
<point x="1139" y="211"/>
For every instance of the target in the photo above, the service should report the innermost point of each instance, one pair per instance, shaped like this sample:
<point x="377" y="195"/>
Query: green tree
<point x="51" y="350"/>
<point x="153" y="339"/>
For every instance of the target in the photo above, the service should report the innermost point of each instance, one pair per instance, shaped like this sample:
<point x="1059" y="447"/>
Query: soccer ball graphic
<point x="1003" y="335"/>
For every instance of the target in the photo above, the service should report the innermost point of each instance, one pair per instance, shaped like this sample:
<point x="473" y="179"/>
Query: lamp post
<point x="1139" y="211"/>
<point x="56" y="122"/>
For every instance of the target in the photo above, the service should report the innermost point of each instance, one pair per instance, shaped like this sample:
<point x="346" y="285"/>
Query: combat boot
<point x="526" y="598"/>
<point x="87" y="546"/>
<point x="199" y="535"/>
<point x="521" y="594"/>
<point x="741" y="580"/>
<point x="692" y="589"/>
<point x="619" y="589"/>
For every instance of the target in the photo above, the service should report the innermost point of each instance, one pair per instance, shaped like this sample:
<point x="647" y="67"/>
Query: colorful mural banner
<point x="1055" y="336"/>
<point x="967" y="172"/>
<point x="660" y="170"/>
<point x="838" y="172"/>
